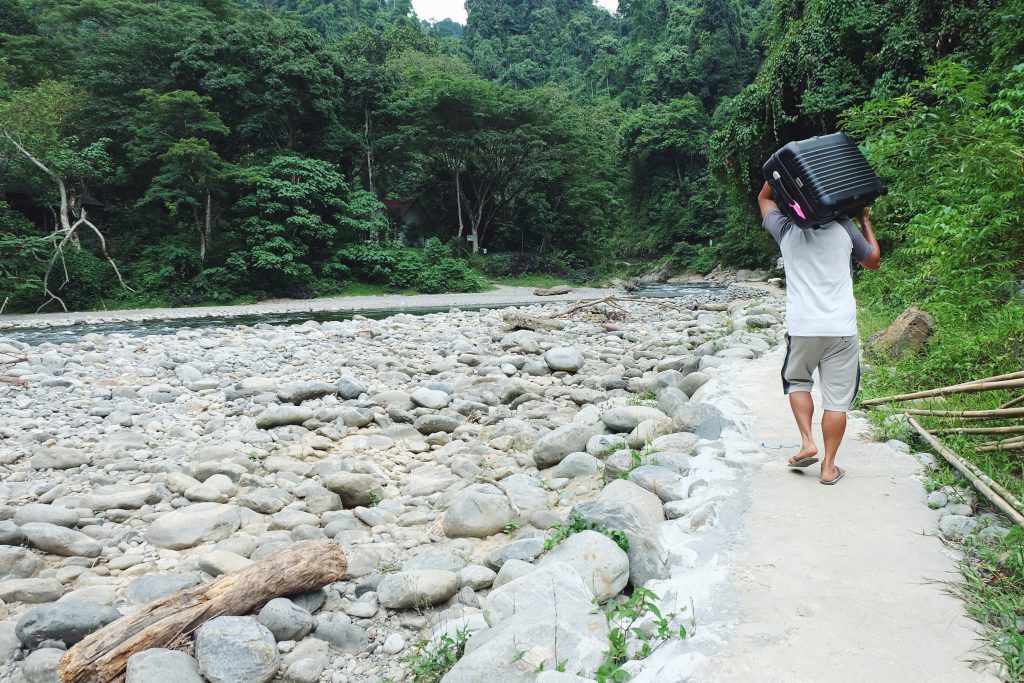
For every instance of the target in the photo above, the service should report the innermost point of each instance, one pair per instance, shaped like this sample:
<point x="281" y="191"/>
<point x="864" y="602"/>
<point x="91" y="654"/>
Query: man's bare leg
<point x="833" y="426"/>
<point x="803" y="409"/>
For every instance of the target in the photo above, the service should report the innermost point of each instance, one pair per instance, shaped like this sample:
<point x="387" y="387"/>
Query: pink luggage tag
<point x="799" y="212"/>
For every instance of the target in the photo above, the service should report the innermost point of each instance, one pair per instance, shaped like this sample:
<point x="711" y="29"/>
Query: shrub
<point x="88" y="278"/>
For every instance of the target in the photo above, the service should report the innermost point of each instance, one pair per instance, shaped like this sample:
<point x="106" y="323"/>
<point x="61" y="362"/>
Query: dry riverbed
<point x="439" y="451"/>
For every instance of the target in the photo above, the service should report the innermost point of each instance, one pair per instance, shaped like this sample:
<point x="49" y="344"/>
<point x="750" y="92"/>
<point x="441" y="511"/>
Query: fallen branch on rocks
<point x="1010" y="382"/>
<point x="1002" y="499"/>
<point x="102" y="656"/>
<point x="16" y="381"/>
<point x="580" y="305"/>
<point x="1006" y="445"/>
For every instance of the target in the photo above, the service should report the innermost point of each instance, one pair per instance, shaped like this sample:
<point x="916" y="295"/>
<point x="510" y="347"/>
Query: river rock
<point x="158" y="665"/>
<point x="154" y="586"/>
<point x="354" y="489"/>
<point x="10" y="534"/>
<point x="416" y="589"/>
<point x="555" y="582"/>
<point x="60" y="540"/>
<point x="477" y="511"/>
<point x="59" y="458"/>
<point x="526" y="549"/>
<point x="648" y="557"/>
<point x="599" y="561"/>
<point x="9" y="643"/>
<point x="305" y="391"/>
<point x="575" y="465"/>
<point x="350" y="388"/>
<point x="338" y="630"/>
<point x="49" y="514"/>
<point x="30" y="590"/>
<point x="306" y="663"/>
<point x="434" y="559"/>
<point x="551" y="448"/>
<point x="662" y="482"/>
<point x="236" y="650"/>
<point x="285" y="619"/>
<point x="279" y="416"/>
<point x="18" y="562"/>
<point x="41" y="666"/>
<point x="67" y="622"/>
<point x="195" y="524"/>
<point x="957" y="527"/>
<point x="563" y="358"/>
<point x="430" y="398"/>
<point x="625" y="419"/>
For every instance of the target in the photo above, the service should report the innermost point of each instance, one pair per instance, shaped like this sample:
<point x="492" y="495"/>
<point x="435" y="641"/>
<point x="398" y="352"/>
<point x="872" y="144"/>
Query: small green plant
<point x="512" y="525"/>
<point x="625" y="623"/>
<point x="388" y="567"/>
<point x="430" y="665"/>
<point x="374" y="500"/>
<point x="644" y="398"/>
<point x="576" y="524"/>
<point x="637" y="461"/>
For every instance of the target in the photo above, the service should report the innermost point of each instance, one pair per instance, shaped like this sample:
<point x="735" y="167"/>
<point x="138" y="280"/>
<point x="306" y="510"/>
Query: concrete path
<point x="837" y="583"/>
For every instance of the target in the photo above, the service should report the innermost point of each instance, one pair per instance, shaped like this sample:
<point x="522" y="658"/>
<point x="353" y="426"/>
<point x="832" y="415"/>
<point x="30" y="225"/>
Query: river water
<point x="139" y="328"/>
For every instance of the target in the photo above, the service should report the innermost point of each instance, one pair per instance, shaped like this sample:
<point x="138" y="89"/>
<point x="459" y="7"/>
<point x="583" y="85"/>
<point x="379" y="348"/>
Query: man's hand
<point x="765" y="200"/>
<point x="874" y="259"/>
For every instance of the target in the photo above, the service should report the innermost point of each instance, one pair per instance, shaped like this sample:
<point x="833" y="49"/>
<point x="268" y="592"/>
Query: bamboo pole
<point x="1008" y="445"/>
<point x="1019" y="429"/>
<point x="969" y="414"/>
<point x="102" y="656"/>
<point x="1013" y="402"/>
<point x="971" y="388"/>
<point x="993" y="492"/>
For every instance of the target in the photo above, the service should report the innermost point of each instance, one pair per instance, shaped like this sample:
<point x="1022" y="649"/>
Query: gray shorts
<point x="837" y="360"/>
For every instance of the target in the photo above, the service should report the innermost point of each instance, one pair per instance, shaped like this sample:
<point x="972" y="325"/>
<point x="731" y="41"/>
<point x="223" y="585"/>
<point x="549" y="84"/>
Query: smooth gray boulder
<point x="525" y="644"/>
<point x="625" y="419"/>
<point x="526" y="549"/>
<point x="48" y="514"/>
<point x="416" y="589"/>
<point x="599" y="561"/>
<point x="437" y="422"/>
<point x="19" y="562"/>
<point x="338" y="630"/>
<point x="236" y="650"/>
<point x="671" y="400"/>
<point x="648" y="557"/>
<point x="195" y="524"/>
<point x="285" y="619"/>
<point x="563" y="358"/>
<point x="350" y="388"/>
<point x="41" y="666"/>
<point x="692" y="382"/>
<point x="67" y="622"/>
<point x="957" y="527"/>
<point x="158" y="665"/>
<point x="434" y="559"/>
<point x="60" y="540"/>
<point x="9" y="643"/>
<point x="32" y="591"/>
<point x="476" y="511"/>
<point x="305" y="391"/>
<point x="628" y="492"/>
<point x="430" y="398"/>
<point x="555" y="582"/>
<point x="151" y="587"/>
<point x="354" y="489"/>
<point x="279" y="416"/>
<point x="660" y="481"/>
<point x="59" y="458"/>
<point x="577" y="464"/>
<point x="551" y="448"/>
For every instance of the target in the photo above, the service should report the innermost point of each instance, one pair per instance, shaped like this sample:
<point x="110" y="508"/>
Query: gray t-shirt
<point x="819" y="278"/>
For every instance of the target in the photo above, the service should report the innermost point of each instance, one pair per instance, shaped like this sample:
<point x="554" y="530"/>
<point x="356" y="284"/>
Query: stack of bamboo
<point x="1009" y="410"/>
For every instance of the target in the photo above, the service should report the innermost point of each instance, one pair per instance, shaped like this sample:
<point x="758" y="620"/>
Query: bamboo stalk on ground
<point x="970" y="388"/>
<point x="1002" y="499"/>
<point x="1008" y="445"/>
<point x="102" y="656"/>
<point x="969" y="414"/>
<point x="1012" y="403"/>
<point x="1017" y="429"/>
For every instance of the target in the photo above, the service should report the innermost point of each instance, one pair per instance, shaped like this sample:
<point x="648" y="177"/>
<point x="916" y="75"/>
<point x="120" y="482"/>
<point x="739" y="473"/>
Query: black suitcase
<point x="820" y="179"/>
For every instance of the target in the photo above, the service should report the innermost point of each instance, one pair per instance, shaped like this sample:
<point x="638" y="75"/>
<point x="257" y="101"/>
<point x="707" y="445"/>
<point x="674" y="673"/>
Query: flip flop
<point x="806" y="461"/>
<point x="836" y="479"/>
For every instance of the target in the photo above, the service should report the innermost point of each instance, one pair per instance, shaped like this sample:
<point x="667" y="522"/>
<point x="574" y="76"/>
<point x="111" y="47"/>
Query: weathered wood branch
<point x="1006" y="445"/>
<point x="16" y="381"/>
<point x="973" y="387"/>
<point x="1006" y="502"/>
<point x="1013" y="403"/>
<point x="580" y="305"/>
<point x="102" y="656"/>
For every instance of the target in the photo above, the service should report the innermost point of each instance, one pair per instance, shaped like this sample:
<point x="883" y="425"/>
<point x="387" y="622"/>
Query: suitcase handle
<point x="793" y="204"/>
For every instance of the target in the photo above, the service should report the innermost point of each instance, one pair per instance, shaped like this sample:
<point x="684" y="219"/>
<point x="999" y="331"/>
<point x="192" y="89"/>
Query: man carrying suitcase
<point x="821" y="322"/>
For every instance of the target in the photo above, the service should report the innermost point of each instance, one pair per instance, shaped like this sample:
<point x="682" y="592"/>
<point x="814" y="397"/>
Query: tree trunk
<point x="102" y="656"/>
<point x="458" y="202"/>
<point x="367" y="125"/>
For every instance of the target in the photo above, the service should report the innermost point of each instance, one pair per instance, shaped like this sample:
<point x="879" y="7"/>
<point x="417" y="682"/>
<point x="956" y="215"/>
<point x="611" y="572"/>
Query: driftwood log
<point x="16" y="381"/>
<point x="102" y="656"/>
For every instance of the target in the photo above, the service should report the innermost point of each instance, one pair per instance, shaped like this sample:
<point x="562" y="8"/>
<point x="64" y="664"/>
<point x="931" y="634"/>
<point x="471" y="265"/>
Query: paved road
<point x="838" y="584"/>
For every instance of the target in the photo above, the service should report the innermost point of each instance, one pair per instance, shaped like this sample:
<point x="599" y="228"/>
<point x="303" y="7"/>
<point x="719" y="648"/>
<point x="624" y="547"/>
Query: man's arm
<point x="766" y="201"/>
<point x="873" y="260"/>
